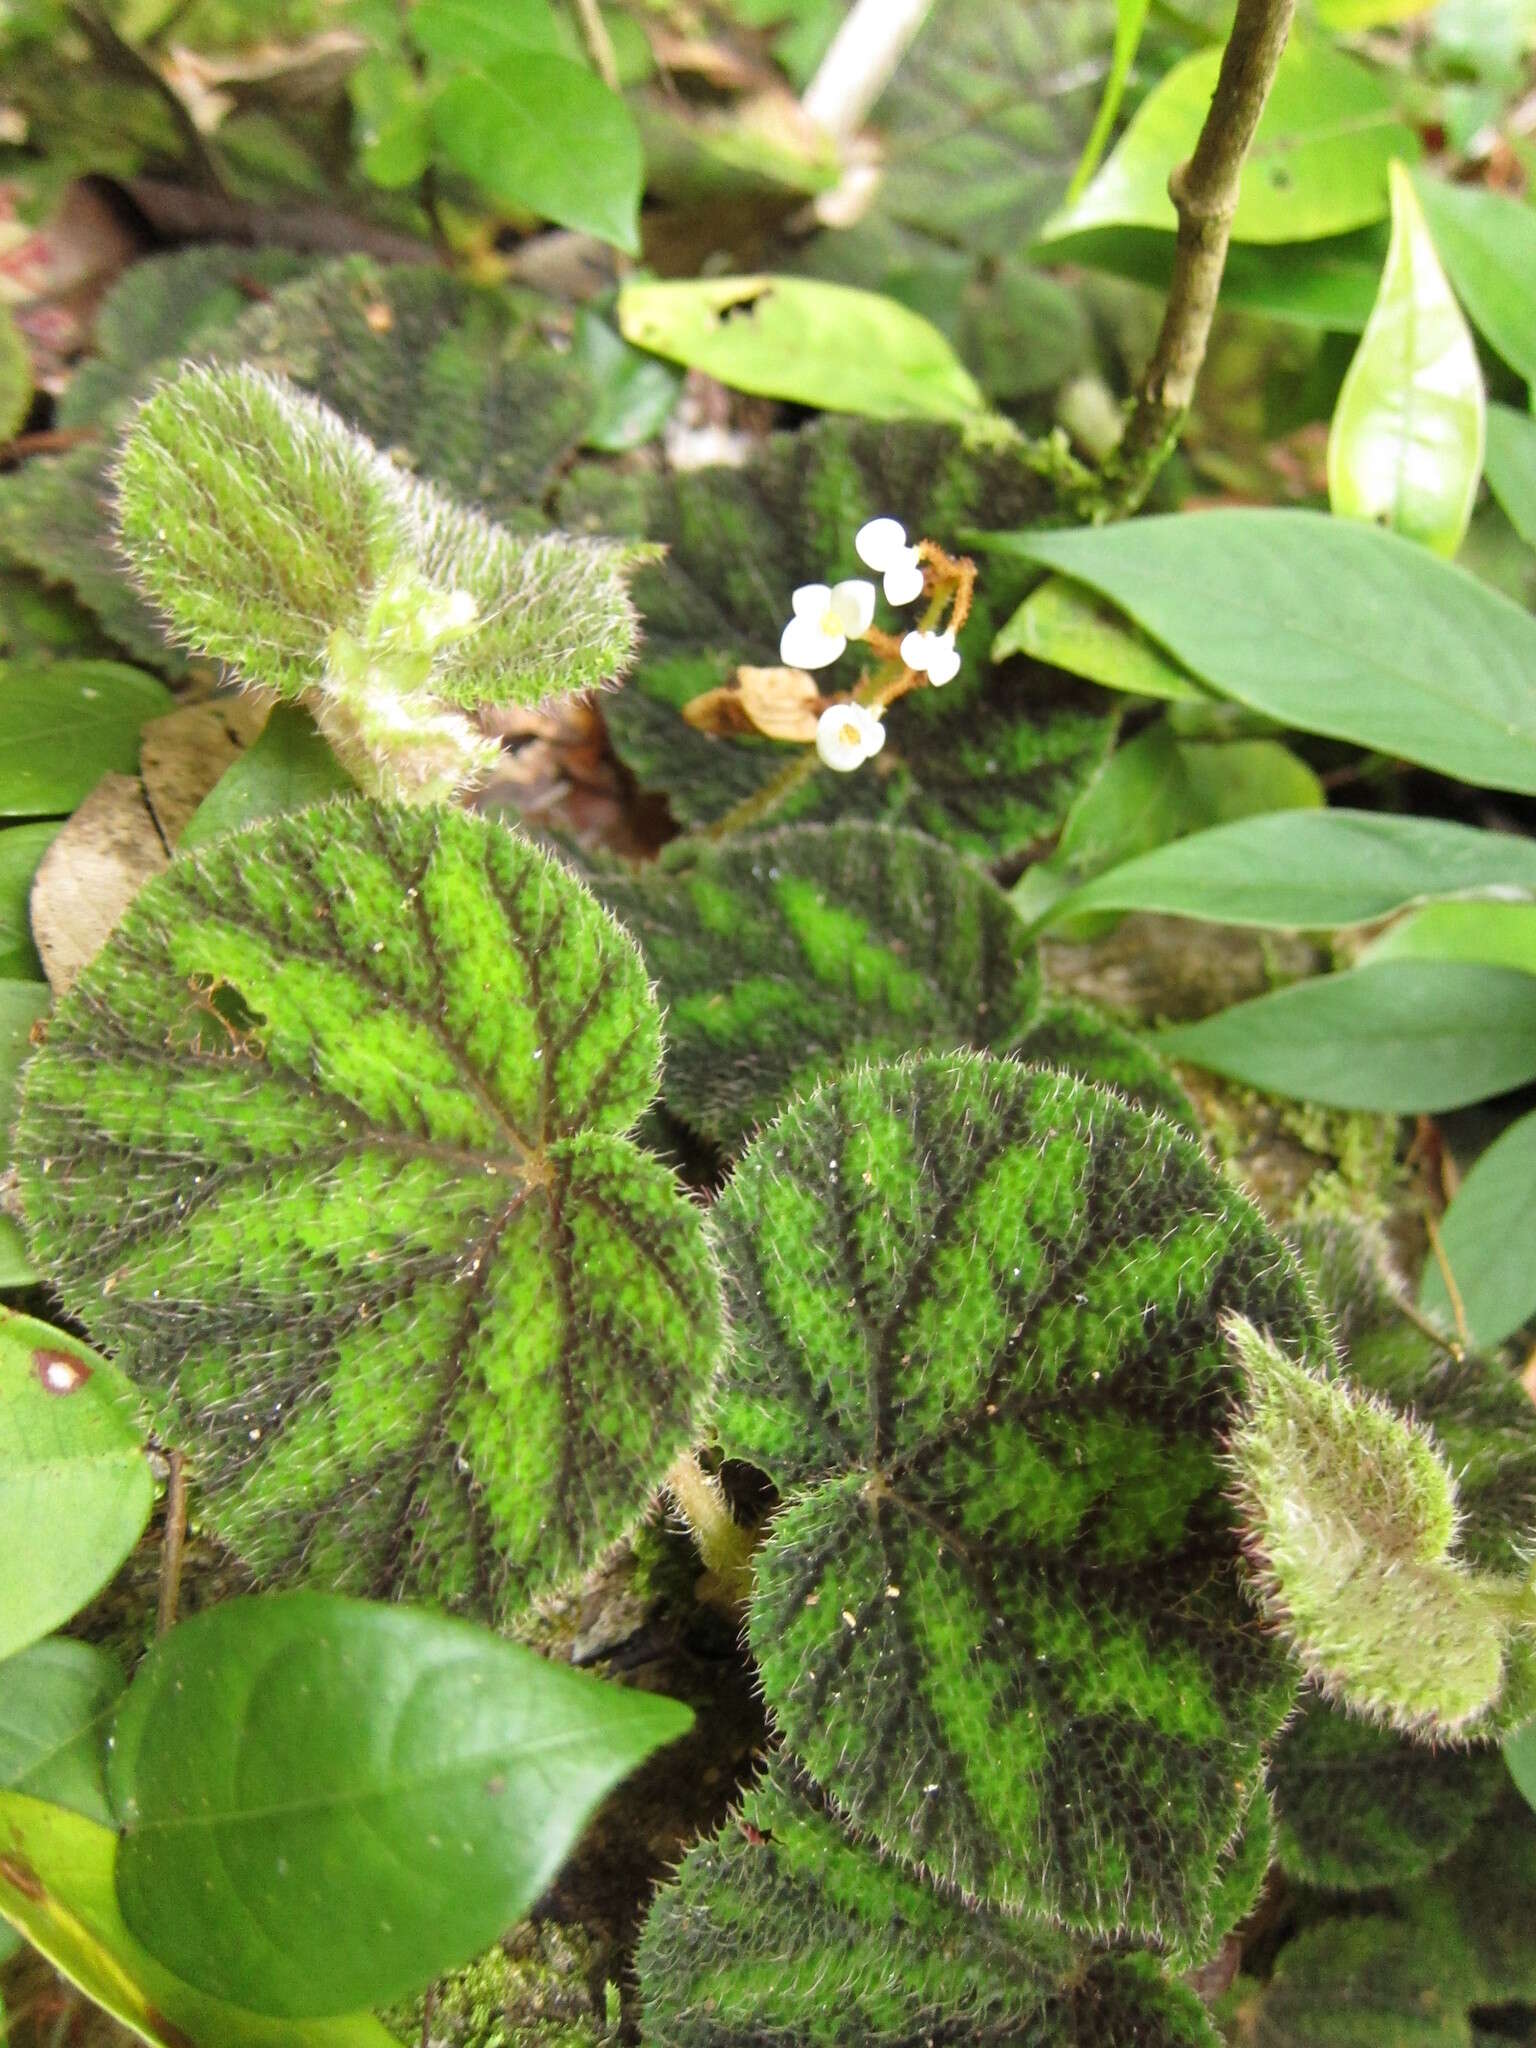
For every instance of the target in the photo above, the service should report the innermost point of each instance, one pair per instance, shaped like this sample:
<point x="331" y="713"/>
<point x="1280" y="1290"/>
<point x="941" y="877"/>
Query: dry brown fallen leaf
<point x="90" y="874"/>
<point x="783" y="703"/>
<point x="182" y="755"/>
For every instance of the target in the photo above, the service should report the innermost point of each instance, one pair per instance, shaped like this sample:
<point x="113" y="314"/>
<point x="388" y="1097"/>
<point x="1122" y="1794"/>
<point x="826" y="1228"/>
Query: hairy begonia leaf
<point x="1486" y="1894"/>
<point x="328" y="1143"/>
<point x="56" y="1702"/>
<point x="75" y="1486"/>
<point x="1085" y="1042"/>
<point x="1360" y="1806"/>
<point x="261" y="560"/>
<point x="326" y="1803"/>
<point x="784" y="1927"/>
<point x="1349" y="1512"/>
<point x="1359" y="1983"/>
<point x="784" y="955"/>
<point x="990" y="762"/>
<point x="977" y="1349"/>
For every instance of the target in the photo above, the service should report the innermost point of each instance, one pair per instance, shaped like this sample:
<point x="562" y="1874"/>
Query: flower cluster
<point x="827" y="616"/>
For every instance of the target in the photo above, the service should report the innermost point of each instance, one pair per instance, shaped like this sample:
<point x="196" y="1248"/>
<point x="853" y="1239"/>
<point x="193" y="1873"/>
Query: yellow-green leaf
<point x="1406" y="446"/>
<point x="1066" y="625"/>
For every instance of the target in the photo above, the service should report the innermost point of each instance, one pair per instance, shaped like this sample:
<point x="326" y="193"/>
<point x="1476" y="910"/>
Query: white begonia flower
<point x="882" y="544"/>
<point x="825" y="621"/>
<point x="847" y="735"/>
<point x="932" y="654"/>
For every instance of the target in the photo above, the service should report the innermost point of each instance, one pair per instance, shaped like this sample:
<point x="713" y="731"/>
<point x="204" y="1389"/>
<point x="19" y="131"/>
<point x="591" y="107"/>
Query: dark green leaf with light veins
<point x="1083" y="1041"/>
<point x="784" y="1928"/>
<point x="328" y="1143"/>
<point x="288" y="767"/>
<point x="782" y="956"/>
<point x="990" y="762"/>
<point x="977" y="1316"/>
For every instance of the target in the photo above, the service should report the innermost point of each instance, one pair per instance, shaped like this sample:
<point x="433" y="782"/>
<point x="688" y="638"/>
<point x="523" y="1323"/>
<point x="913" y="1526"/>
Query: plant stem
<point x="172" y="1544"/>
<point x="1204" y="192"/>
<point x="724" y="1545"/>
<point x="861" y="62"/>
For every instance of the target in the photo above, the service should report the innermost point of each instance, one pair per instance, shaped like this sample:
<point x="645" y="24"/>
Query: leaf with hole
<point x="977" y="1319"/>
<point x="328" y="1144"/>
<point x="1406" y="444"/>
<point x="1326" y="625"/>
<point x="57" y="1699"/>
<point x="278" y="1756"/>
<point x="780" y="1927"/>
<point x="75" y="1488"/>
<point x="56" y="1887"/>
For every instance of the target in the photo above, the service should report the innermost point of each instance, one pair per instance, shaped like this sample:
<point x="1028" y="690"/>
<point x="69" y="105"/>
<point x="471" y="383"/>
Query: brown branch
<point x="599" y="43"/>
<point x="172" y="1545"/>
<point x="1204" y="192"/>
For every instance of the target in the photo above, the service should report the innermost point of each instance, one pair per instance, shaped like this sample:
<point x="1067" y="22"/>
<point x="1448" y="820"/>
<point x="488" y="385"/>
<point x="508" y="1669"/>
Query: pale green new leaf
<point x="1406" y="444"/>
<point x="1065" y="625"/>
<point x="1487" y="242"/>
<point x="826" y="345"/>
<point x="328" y="1144"/>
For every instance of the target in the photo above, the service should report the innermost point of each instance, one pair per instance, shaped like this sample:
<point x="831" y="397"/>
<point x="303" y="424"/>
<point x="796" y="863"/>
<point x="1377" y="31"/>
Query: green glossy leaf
<point x="1499" y="934"/>
<point x="1399" y="1036"/>
<point x="1349" y="17"/>
<point x="56" y="1703"/>
<point x="1349" y="1512"/>
<point x="1487" y="242"/>
<point x="781" y="1928"/>
<point x="1315" y="870"/>
<point x="467" y="31"/>
<point x="21" y="849"/>
<point x="1318" y="165"/>
<point x="75" y="1488"/>
<point x="1361" y="1983"/>
<point x="1406" y="444"/>
<point x="635" y="393"/>
<point x="954" y="1287"/>
<point x="275" y="1756"/>
<point x="56" y="1887"/>
<point x="1325" y="625"/>
<point x="1489" y="1240"/>
<point x="539" y="133"/>
<point x="22" y="1003"/>
<point x="15" y="376"/>
<point x="1130" y="20"/>
<point x="65" y="724"/>
<point x="826" y="345"/>
<point x="392" y="121"/>
<point x="1063" y="624"/>
<point x="782" y="956"/>
<point x="289" y="766"/>
<point x="1511" y="467"/>
<point x="328" y="1144"/>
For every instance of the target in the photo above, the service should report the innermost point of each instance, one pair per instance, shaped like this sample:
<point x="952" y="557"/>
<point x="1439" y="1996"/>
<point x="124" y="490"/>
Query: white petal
<point x="811" y="601"/>
<point x="841" y="736"/>
<point x="875" y="741"/>
<point x="804" y="644"/>
<point x="943" y="659"/>
<point x="915" y="649"/>
<point x="904" y="579"/>
<point x="879" y="541"/>
<point x="853" y="606"/>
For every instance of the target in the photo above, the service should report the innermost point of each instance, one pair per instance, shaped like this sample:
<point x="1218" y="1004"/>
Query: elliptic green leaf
<point x="1489" y="1240"/>
<point x="542" y="135"/>
<point x="1511" y="467"/>
<point x="1406" y="444"/>
<point x="1498" y="934"/>
<point x="289" y="767"/>
<point x="21" y="849"/>
<point x="467" y="31"/>
<point x="1487" y="241"/>
<point x="1318" y="164"/>
<point x="1064" y="625"/>
<point x="1361" y="1807"/>
<point x="1366" y="1983"/>
<point x="1349" y="1513"/>
<point x="75" y="1488"/>
<point x="977" y="1312"/>
<point x="327" y="1143"/>
<point x="326" y="1802"/>
<point x="56" y="1701"/>
<point x="56" y="1887"/>
<point x="65" y="724"/>
<point x="1400" y="1036"/>
<point x="1326" y="625"/>
<point x="784" y="1928"/>
<point x="797" y="338"/>
<point x="785" y="955"/>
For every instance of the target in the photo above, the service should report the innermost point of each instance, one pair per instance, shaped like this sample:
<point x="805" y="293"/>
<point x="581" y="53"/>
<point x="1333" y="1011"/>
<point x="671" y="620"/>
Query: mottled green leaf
<point x="543" y="135"/>
<point x="1483" y="1897"/>
<point x="989" y="763"/>
<point x="1406" y="444"/>
<point x="782" y="956"/>
<point x="278" y="1759"/>
<point x="1488" y="1239"/>
<point x="56" y="1887"/>
<point x="978" y="1351"/>
<point x="75" y="1489"/>
<point x="1511" y="467"/>
<point x="65" y="724"/>
<point x="1401" y="1036"/>
<point x="1082" y="1041"/>
<point x="784" y="1928"/>
<point x="1367" y="1983"/>
<point x="1318" y="164"/>
<point x="56" y="1702"/>
<point x="1064" y="625"/>
<point x="328" y="1145"/>
<point x="1487" y="241"/>
<point x="1326" y="625"/>
<point x="797" y="338"/>
<point x="288" y="767"/>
